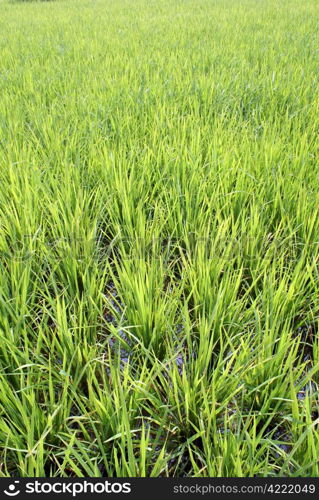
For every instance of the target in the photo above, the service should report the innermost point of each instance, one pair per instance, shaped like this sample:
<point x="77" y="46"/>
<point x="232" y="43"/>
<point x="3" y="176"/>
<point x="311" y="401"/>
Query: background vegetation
<point x="159" y="224"/>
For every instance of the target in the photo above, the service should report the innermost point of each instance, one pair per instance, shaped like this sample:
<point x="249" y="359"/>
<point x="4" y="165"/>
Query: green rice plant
<point x="159" y="238"/>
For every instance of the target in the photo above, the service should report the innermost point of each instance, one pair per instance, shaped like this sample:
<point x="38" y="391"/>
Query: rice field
<point x="159" y="232"/>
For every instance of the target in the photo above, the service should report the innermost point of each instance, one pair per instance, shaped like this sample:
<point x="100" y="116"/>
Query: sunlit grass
<point x="159" y="231"/>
